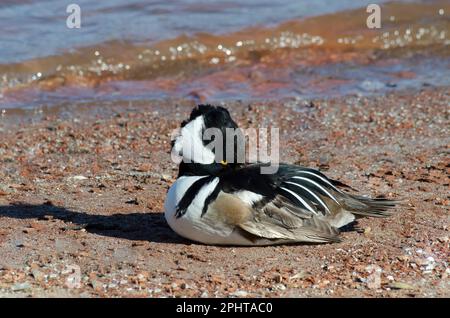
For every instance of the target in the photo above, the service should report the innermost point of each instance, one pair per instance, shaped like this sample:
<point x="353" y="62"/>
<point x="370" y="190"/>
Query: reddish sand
<point x="81" y="203"/>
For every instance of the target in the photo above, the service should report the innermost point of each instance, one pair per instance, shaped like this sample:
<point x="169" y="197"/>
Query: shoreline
<point x="300" y="57"/>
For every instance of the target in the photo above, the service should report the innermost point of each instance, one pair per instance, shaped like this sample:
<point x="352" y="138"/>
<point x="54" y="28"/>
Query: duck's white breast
<point x="192" y="225"/>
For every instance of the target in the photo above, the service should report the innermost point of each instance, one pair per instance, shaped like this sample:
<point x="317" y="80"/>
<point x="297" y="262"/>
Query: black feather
<point x="190" y="194"/>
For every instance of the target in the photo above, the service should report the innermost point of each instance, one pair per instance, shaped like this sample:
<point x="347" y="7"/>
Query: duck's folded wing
<point x="319" y="194"/>
<point x="301" y="204"/>
<point x="280" y="220"/>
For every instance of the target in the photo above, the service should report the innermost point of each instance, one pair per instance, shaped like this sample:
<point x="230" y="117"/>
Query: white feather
<point x="195" y="227"/>
<point x="311" y="193"/>
<point x="248" y="197"/>
<point x="189" y="143"/>
<point x="299" y="198"/>
<point x="317" y="185"/>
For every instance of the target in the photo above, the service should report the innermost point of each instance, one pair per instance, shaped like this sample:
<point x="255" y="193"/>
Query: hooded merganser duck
<point x="223" y="203"/>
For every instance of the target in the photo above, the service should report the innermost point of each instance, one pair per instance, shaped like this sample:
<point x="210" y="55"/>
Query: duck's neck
<point x="201" y="169"/>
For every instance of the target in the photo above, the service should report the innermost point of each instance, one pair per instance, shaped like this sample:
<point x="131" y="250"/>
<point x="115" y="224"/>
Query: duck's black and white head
<point x="207" y="140"/>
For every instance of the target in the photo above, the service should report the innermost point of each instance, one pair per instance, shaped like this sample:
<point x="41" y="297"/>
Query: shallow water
<point x="217" y="50"/>
<point x="31" y="29"/>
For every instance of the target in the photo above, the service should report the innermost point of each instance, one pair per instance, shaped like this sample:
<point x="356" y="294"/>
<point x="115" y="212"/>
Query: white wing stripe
<point x="312" y="193"/>
<point x="317" y="185"/>
<point x="300" y="199"/>
<point x="320" y="177"/>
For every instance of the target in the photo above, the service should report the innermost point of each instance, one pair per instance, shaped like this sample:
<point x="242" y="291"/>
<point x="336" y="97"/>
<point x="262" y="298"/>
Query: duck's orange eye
<point x="223" y="163"/>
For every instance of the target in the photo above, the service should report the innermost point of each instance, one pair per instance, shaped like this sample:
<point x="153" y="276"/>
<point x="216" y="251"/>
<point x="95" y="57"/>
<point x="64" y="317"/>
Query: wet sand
<point x="83" y="192"/>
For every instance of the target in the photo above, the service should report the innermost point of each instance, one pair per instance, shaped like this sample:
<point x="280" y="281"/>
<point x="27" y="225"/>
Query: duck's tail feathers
<point x="363" y="206"/>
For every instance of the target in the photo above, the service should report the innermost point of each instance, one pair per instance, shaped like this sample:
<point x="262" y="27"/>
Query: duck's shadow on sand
<point x="150" y="227"/>
<point x="140" y="226"/>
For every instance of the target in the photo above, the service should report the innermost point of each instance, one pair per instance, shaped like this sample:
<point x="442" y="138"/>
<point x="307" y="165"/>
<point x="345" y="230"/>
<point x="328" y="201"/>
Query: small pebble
<point x="21" y="286"/>
<point x="239" y="293"/>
